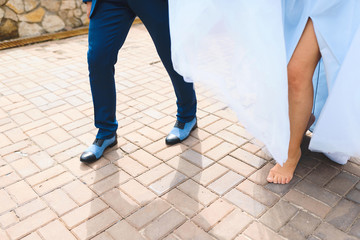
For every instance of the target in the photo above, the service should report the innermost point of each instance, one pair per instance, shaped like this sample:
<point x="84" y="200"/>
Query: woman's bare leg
<point x="300" y="72"/>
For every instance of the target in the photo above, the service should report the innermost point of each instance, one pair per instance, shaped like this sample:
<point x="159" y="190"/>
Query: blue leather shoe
<point x="180" y="132"/>
<point x="96" y="150"/>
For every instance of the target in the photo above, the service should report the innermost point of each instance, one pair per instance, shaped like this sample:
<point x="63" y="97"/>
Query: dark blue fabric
<point x="110" y="22"/>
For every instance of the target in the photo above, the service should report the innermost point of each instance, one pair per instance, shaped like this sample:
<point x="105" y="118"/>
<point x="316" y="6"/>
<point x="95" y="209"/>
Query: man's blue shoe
<point x="96" y="150"/>
<point x="180" y="132"/>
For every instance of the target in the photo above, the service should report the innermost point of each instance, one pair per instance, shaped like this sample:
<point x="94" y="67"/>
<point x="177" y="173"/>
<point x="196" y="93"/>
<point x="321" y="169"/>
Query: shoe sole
<point x="173" y="143"/>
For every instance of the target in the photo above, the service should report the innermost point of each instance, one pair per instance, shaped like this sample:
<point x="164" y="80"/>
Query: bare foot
<point x="283" y="174"/>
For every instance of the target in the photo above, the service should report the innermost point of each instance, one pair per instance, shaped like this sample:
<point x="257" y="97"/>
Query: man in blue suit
<point x="110" y="21"/>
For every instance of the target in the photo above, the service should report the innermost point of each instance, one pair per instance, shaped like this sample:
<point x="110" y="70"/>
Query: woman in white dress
<point x="238" y="48"/>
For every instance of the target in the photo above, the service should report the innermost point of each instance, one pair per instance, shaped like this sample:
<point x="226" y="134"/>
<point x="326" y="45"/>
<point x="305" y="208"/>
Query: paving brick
<point x="110" y="182"/>
<point x="60" y="202"/>
<point x="30" y="208"/>
<point x="232" y="138"/>
<point x="322" y="174"/>
<point x="130" y="166"/>
<point x="21" y="192"/>
<point x="103" y="236"/>
<point x="145" y="158"/>
<point x="327" y="232"/>
<point x="241" y="237"/>
<point x="73" y="165"/>
<point x="196" y="158"/>
<point x="56" y="231"/>
<point x="45" y="175"/>
<point x="282" y="189"/>
<point x="189" y="231"/>
<point x="171" y="151"/>
<point x="279" y="215"/>
<point x="257" y="231"/>
<point x="291" y="233"/>
<point x="83" y="213"/>
<point x="120" y="202"/>
<point x="151" y="133"/>
<point x="302" y="171"/>
<point x="124" y="231"/>
<point x="197" y="192"/>
<point x="25" y="167"/>
<point x="138" y="139"/>
<point x="59" y="135"/>
<point x="210" y="174"/>
<point x="30" y="224"/>
<point x="304" y="223"/>
<point x="167" y="182"/>
<point x="318" y="208"/>
<point x="32" y="236"/>
<point x="42" y="160"/>
<point x="342" y="183"/>
<point x="231" y="225"/>
<point x="354" y="195"/>
<point x="8" y="219"/>
<point x="16" y="135"/>
<point x="355" y="229"/>
<point x="138" y="192"/>
<point x="343" y="215"/>
<point x="154" y="174"/>
<point x="6" y="202"/>
<point x="99" y="174"/>
<point x="259" y="177"/>
<point x="183" y="203"/>
<point x="171" y="237"/>
<point x="211" y="215"/>
<point x="226" y="182"/>
<point x="184" y="166"/>
<point x="248" y="158"/>
<point x="79" y="192"/>
<point x="156" y="146"/>
<point x="245" y="203"/>
<point x="96" y="225"/>
<point x="237" y="166"/>
<point x="258" y="192"/>
<point x="218" y="126"/>
<point x="164" y="225"/>
<point x="148" y="213"/>
<point x="250" y="147"/>
<point x="44" y="141"/>
<point x="53" y="183"/>
<point x="221" y="151"/>
<point x="61" y="147"/>
<point x="352" y="168"/>
<point x="7" y="176"/>
<point x="318" y="193"/>
<point x="207" y="144"/>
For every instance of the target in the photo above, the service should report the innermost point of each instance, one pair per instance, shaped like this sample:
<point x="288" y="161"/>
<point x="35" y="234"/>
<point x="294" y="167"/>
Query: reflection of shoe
<point x="180" y="132"/>
<point x="310" y="123"/>
<point x="96" y="150"/>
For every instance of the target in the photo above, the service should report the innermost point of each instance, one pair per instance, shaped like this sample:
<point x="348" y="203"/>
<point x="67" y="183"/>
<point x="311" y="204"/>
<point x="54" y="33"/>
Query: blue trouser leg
<point x="109" y="26"/>
<point x="155" y="16"/>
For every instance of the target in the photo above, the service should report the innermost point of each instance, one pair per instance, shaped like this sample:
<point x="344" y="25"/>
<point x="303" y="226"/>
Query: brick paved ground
<point x="210" y="187"/>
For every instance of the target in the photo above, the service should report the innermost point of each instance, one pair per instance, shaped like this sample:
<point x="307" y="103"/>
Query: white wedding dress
<point x="241" y="48"/>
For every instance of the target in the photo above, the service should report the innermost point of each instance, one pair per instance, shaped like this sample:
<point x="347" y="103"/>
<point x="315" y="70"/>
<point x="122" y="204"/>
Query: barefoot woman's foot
<point x="283" y="174"/>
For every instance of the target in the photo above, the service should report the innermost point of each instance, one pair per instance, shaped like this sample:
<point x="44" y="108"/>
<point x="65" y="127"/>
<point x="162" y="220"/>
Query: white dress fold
<point x="240" y="49"/>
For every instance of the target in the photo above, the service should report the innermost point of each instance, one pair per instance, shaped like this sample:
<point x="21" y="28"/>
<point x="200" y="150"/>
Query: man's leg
<point x="155" y="16"/>
<point x="109" y="26"/>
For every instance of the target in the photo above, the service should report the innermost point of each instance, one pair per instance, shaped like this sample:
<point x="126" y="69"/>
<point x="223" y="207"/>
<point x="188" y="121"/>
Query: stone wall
<point x="26" y="18"/>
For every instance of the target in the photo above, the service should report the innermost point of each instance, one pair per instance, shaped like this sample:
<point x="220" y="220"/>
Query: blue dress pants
<point x="109" y="25"/>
